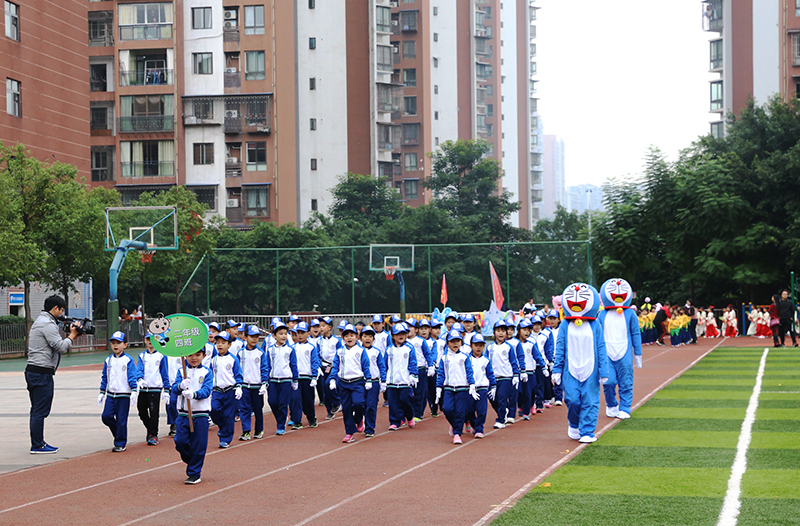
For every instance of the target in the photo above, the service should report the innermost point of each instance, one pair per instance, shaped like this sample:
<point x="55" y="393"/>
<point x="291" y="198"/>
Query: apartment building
<point x="555" y="192"/>
<point x="754" y="52"/>
<point x="44" y="50"/>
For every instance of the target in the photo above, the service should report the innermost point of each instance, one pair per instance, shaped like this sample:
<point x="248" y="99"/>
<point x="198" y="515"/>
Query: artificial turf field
<point x="671" y="461"/>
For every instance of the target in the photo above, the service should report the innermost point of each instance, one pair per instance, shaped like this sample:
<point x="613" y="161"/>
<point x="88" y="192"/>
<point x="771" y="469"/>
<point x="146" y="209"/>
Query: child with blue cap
<point x="227" y="389"/>
<point x="456" y="382"/>
<point x="401" y="378"/>
<point x="154" y="385"/>
<point x="283" y="376"/>
<point x="506" y="370"/>
<point x="425" y="368"/>
<point x="328" y="346"/>
<point x="377" y="375"/>
<point x="351" y="377"/>
<point x="531" y="360"/>
<point x="485" y="385"/>
<point x="307" y="355"/>
<point x="255" y="375"/>
<point x="119" y="388"/>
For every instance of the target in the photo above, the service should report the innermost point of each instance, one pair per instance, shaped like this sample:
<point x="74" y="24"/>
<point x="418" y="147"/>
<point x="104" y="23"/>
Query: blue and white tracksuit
<point x="377" y="373"/>
<point x="152" y="369"/>
<point x="436" y="353"/>
<point x="327" y="350"/>
<point x="505" y="367"/>
<point x="351" y="369"/>
<point x="454" y="377"/>
<point x="117" y="382"/>
<point x="307" y="355"/>
<point x="211" y="351"/>
<point x="517" y="345"/>
<point x="532" y="359"/>
<point x="192" y="445"/>
<point x="281" y="371"/>
<point x="173" y="366"/>
<point x="255" y="373"/>
<point x="425" y="359"/>
<point x="581" y="360"/>
<point x="623" y="340"/>
<point x="401" y="366"/>
<point x="552" y="391"/>
<point x="484" y="381"/>
<point x="227" y="377"/>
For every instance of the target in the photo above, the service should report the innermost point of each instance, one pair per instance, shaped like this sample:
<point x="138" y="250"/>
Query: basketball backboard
<point x="155" y="225"/>
<point x="399" y="256"/>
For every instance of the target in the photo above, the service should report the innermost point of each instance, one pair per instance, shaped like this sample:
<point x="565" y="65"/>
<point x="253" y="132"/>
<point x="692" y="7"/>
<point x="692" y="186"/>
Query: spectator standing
<point x="786" y="308"/>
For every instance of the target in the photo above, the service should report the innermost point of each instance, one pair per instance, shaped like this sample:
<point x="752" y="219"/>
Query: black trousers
<point x="40" y="391"/>
<point x="149" y="403"/>
<point x="787" y="326"/>
<point x="693" y="330"/>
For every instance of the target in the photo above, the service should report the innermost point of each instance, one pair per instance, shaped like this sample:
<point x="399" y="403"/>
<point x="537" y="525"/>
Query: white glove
<point x="603" y="381"/>
<point x="165" y="397"/>
<point x="438" y="395"/>
<point x="185" y="384"/>
<point x="263" y="390"/>
<point x="134" y="396"/>
<point x="313" y="383"/>
<point x="332" y="385"/>
<point x="431" y="371"/>
<point x="514" y="381"/>
<point x="414" y="381"/>
<point x="546" y="373"/>
<point x="638" y="360"/>
<point x="368" y="386"/>
<point x="556" y="378"/>
<point x="100" y="399"/>
<point x="187" y="394"/>
<point x="295" y="385"/>
<point x="550" y="365"/>
<point x="237" y="393"/>
<point x="492" y="393"/>
<point x="524" y="377"/>
<point x="383" y="387"/>
<point x="474" y="392"/>
<point x="139" y="383"/>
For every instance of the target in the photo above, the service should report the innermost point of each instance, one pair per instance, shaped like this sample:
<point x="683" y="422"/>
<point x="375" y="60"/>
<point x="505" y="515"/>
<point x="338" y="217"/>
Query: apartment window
<point x="436" y="141"/>
<point x="312" y="83"/>
<point x="435" y="89"/>
<point x="384" y="58"/>
<point x="409" y="1"/>
<point x="483" y="71"/>
<point x="203" y="109"/>
<point x="411" y="188"/>
<point x="204" y="153"/>
<point x="201" y="18"/>
<point x="312" y="4"/>
<point x="795" y="49"/>
<point x="487" y="12"/>
<point x="718" y="130"/>
<point x="489" y="90"/>
<point x="533" y="50"/>
<point x="12" y="21"/>
<point x="796" y="7"/>
<point x="410" y="77"/>
<point x="313" y="205"/>
<point x="312" y="43"/>
<point x="436" y="115"/>
<point x="408" y="20"/>
<point x="409" y="105"/>
<point x="313" y="124"/>
<point x="254" y="68"/>
<point x="97" y="77"/>
<point x="313" y="165"/>
<point x="716" y="95"/>
<point x="383" y="16"/>
<point x="206" y="195"/>
<point x="202" y="64"/>
<point x="435" y="10"/>
<point x="257" y="198"/>
<point x="797" y="89"/>
<point x="151" y="21"/>
<point x="147" y="158"/>
<point x="716" y="52"/>
<point x="254" y="20"/>
<point x="436" y="37"/>
<point x="435" y="62"/>
<point x="410" y="162"/>
<point x="100" y="165"/>
<point x="256" y="156"/>
<point x="411" y="134"/>
<point x="490" y="110"/>
<point x="409" y="49"/>
<point x="99" y="118"/>
<point x="13" y="101"/>
<point x="534" y="122"/>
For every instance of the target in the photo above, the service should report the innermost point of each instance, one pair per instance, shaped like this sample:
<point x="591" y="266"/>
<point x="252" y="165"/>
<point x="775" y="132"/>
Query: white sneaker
<point x="509" y="420"/>
<point x="612" y="412"/>
<point x="622" y="415"/>
<point x="499" y="425"/>
<point x="557" y="402"/>
<point x="587" y="439"/>
<point x="573" y="433"/>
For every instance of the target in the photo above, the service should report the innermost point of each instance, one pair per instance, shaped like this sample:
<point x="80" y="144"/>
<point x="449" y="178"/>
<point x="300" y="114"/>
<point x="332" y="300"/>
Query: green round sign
<point x="178" y="334"/>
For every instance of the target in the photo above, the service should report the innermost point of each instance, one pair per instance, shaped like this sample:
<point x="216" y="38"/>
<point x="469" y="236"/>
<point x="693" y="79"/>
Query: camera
<point x="87" y="327"/>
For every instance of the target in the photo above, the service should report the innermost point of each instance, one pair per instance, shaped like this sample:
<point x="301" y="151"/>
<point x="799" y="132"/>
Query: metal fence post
<point x="353" y="278"/>
<point x="208" y="286"/>
<point x="430" y="291"/>
<point x="508" y="279"/>
<point x="278" y="282"/>
<point x="589" y="261"/>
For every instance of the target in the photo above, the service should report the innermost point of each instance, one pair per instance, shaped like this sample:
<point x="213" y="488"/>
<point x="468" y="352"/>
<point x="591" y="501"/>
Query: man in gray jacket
<point x="44" y="354"/>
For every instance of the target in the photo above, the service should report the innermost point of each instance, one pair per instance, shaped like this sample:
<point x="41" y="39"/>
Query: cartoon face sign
<point x="580" y="300"/>
<point x="159" y="328"/>
<point x="616" y="292"/>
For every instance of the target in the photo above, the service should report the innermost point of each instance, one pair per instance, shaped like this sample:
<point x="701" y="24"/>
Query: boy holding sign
<point x="195" y="389"/>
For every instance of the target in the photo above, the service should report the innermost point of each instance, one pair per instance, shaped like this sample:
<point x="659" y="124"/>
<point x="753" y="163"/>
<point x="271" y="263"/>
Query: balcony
<point x="98" y="85"/>
<point x="482" y="31"/>
<point x="389" y="137"/>
<point x="230" y="34"/>
<point x="147" y="124"/>
<point x="147" y="77"/>
<point x="233" y="79"/>
<point x="712" y="15"/>
<point x="233" y="167"/>
<point x="146" y="32"/>
<point x="236" y="113"/>
<point x="408" y="21"/>
<point x="101" y="33"/>
<point x="234" y="215"/>
<point x="148" y="169"/>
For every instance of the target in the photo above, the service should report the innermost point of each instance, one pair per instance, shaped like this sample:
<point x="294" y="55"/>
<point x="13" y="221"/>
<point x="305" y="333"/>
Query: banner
<point x="443" y="296"/>
<point x="178" y="334"/>
<point x="497" y="290"/>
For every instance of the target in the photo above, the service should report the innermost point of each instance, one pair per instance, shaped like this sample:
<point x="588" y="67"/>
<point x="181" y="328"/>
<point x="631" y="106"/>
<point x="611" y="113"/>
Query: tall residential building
<point x="584" y="197"/>
<point x="44" y="52"/>
<point x="755" y="52"/>
<point x="555" y="191"/>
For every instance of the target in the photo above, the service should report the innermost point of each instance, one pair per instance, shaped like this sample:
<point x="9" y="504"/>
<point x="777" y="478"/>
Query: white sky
<point x="619" y="76"/>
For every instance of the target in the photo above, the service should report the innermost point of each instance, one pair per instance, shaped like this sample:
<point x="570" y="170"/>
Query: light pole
<point x="589" y="213"/>
<point x="195" y="287"/>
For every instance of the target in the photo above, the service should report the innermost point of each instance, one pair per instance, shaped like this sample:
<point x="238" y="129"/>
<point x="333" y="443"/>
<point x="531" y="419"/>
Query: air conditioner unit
<point x="230" y="14"/>
<point x="392" y="4"/>
<point x="232" y="203"/>
<point x="230" y="70"/>
<point x="395" y="22"/>
<point x="397" y="162"/>
<point x="396" y="49"/>
<point x="230" y="24"/>
<point x="231" y="114"/>
<point x="190" y="119"/>
<point x="232" y="160"/>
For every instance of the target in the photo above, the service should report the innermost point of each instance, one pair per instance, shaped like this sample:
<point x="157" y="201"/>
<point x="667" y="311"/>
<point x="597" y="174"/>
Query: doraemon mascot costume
<point x="580" y="361"/>
<point x="623" y="342"/>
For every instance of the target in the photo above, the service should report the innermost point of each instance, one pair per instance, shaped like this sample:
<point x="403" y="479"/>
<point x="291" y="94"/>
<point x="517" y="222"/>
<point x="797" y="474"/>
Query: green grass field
<point x="670" y="463"/>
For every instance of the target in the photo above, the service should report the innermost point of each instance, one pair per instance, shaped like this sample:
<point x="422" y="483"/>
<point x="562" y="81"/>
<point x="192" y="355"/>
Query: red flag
<point x="443" y="297"/>
<point x="497" y="290"/>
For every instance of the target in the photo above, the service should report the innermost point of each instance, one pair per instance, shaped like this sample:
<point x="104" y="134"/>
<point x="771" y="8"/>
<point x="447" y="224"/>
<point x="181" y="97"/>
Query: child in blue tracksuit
<point x="283" y="376"/>
<point x="173" y="365"/>
<point x="506" y="370"/>
<point x="485" y="385"/>
<point x="119" y="388"/>
<point x="308" y="363"/>
<point x="623" y="344"/>
<point x="581" y="364"/>
<point x="211" y="346"/>
<point x="328" y="345"/>
<point x="377" y="375"/>
<point x="227" y="389"/>
<point x="437" y="347"/>
<point x="513" y="341"/>
<point x="195" y="389"/>
<point x="401" y="377"/>
<point x="255" y="374"/>
<point x="456" y="382"/>
<point x="531" y="361"/>
<point x="352" y="378"/>
<point x="543" y="341"/>
<point x="553" y="322"/>
<point x="425" y="368"/>
<point x="154" y="373"/>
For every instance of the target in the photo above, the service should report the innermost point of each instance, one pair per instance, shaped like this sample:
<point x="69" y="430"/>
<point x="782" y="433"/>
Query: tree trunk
<point x="28" y="321"/>
<point x="177" y="293"/>
<point x="65" y="292"/>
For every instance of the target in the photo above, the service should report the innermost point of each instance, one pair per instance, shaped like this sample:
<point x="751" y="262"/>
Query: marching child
<point x="153" y="371"/>
<point x="401" y="377"/>
<point x="468" y="320"/>
<point x="377" y="375"/>
<point x="195" y="389"/>
<point x="211" y="346"/>
<point x="425" y="366"/>
<point x="555" y="392"/>
<point x="456" y="380"/>
<point x="381" y="335"/>
<point x="236" y="342"/>
<point x="437" y="346"/>
<point x="506" y="370"/>
<point x="532" y="360"/>
<point x="227" y="389"/>
<point x="315" y="339"/>
<point x="516" y="344"/>
<point x="255" y="374"/>
<point x="283" y="376"/>
<point x="307" y="371"/>
<point x="328" y="346"/>
<point x="119" y="389"/>
<point x="485" y="385"/>
<point x="173" y="365"/>
<point x="351" y="377"/>
<point x="542" y="338"/>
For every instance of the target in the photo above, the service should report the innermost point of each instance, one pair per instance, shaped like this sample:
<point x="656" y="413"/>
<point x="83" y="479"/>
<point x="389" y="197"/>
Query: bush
<point x="11" y="320"/>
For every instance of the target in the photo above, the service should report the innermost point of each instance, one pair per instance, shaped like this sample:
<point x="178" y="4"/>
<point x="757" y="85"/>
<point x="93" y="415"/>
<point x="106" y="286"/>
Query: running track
<point x="310" y="477"/>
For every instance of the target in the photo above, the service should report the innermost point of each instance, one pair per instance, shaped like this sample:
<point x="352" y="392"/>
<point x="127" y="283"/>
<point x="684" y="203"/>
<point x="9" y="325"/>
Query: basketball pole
<point x="121" y="252"/>
<point x="402" y="294"/>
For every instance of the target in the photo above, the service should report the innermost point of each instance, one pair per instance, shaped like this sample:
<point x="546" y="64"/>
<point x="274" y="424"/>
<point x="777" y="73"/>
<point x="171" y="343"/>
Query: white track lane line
<point x="730" y="506"/>
<point x="569" y="456"/>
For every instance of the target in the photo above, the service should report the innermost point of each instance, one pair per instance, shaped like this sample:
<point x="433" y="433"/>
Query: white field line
<point x="730" y="506"/>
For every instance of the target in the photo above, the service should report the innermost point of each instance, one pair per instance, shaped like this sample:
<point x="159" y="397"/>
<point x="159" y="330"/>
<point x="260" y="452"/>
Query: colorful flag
<point x="497" y="290"/>
<point x="443" y="297"/>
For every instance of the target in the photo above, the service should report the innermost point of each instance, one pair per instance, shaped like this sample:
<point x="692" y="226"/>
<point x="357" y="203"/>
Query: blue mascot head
<point x="616" y="293"/>
<point x="580" y="301"/>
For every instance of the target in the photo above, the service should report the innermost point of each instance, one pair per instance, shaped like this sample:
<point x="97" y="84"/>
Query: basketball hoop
<point x="147" y="256"/>
<point x="389" y="271"/>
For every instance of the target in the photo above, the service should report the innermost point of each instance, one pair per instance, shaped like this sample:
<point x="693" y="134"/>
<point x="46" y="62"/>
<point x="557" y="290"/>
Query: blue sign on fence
<point x="16" y="299"/>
